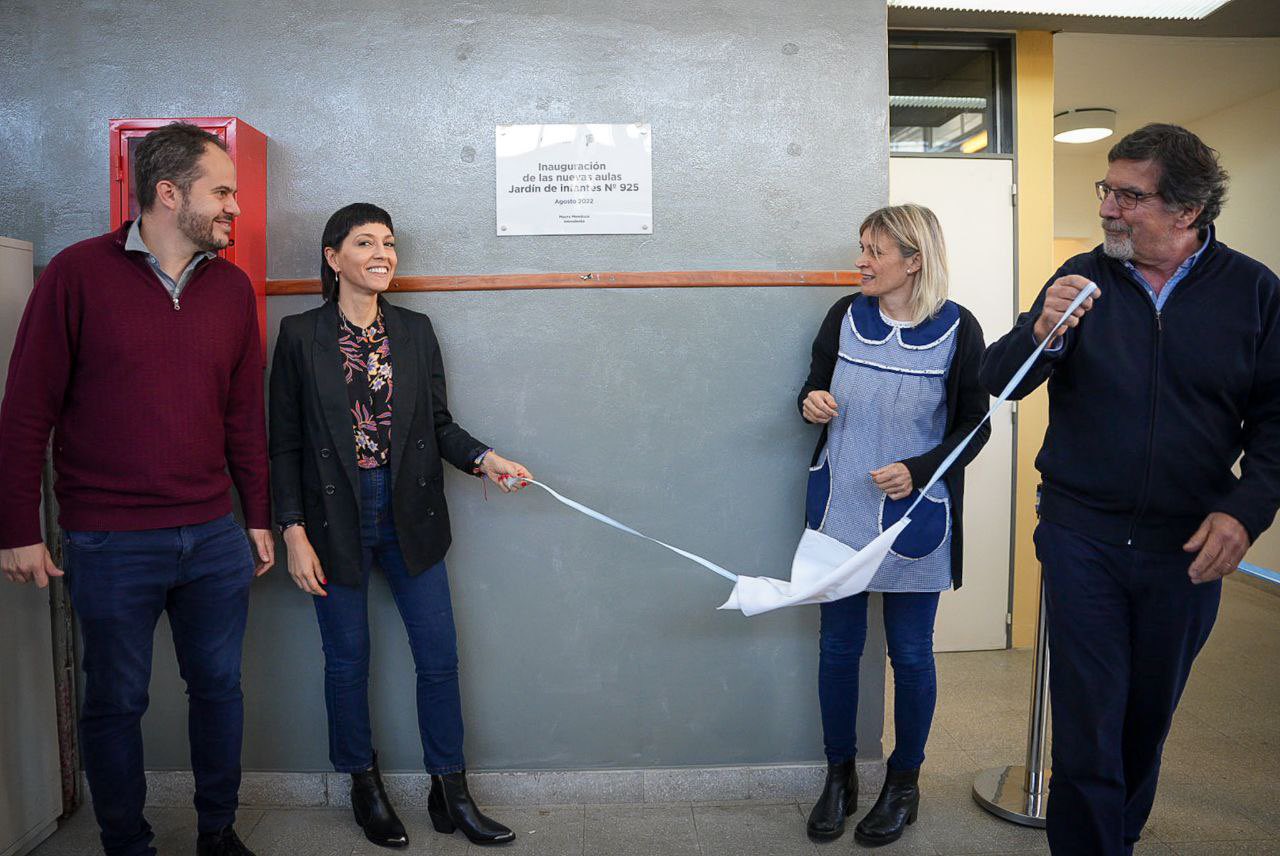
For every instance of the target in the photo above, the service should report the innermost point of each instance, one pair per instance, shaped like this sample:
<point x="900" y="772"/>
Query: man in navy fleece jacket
<point x="1155" y="389"/>
<point x="140" y="350"/>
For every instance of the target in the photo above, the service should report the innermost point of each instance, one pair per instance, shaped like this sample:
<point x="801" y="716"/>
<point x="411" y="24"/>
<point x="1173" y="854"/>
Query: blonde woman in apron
<point x="894" y="382"/>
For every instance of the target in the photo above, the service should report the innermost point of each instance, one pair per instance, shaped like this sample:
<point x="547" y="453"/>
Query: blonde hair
<point x="915" y="230"/>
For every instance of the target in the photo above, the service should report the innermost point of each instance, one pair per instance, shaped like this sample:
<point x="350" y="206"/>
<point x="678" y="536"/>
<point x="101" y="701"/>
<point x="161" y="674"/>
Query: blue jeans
<point x="424" y="605"/>
<point x="1124" y="628"/>
<point x="908" y="626"/>
<point x="120" y="582"/>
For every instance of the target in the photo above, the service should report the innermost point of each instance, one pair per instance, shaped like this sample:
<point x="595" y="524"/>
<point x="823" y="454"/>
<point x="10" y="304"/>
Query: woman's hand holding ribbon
<point x="894" y="479"/>
<point x="507" y="475"/>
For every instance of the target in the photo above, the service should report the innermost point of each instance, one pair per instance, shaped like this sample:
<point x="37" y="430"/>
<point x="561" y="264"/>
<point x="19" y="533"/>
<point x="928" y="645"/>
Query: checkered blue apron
<point x="890" y="387"/>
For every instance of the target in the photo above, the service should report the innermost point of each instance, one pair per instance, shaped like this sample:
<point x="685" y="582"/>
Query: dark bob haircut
<point x="343" y="221"/>
<point x="1190" y="174"/>
<point x="171" y="153"/>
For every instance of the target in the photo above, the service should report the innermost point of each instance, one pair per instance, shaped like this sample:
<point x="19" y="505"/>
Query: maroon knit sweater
<point x="150" y="405"/>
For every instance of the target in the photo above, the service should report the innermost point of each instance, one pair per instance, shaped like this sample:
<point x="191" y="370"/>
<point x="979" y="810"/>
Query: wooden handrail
<point x="594" y="279"/>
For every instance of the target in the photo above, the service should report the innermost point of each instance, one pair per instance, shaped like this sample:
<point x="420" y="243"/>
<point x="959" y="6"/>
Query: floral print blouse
<point x="366" y="362"/>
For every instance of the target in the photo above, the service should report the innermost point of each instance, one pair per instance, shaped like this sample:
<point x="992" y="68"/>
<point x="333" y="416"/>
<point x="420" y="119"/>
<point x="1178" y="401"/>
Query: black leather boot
<point x="373" y="809"/>
<point x="839" y="797"/>
<point x="451" y="807"/>
<point x="224" y="842"/>
<point x="895" y="809"/>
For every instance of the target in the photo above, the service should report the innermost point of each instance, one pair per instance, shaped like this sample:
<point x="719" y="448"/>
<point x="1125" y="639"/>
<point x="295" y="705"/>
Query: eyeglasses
<point x="1126" y="199"/>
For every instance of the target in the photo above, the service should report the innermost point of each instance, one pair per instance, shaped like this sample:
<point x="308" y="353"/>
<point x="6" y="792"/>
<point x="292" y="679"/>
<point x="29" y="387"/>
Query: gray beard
<point x="1117" y="245"/>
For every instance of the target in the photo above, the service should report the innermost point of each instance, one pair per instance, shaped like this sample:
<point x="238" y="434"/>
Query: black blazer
<point x="967" y="403"/>
<point x="314" y="477"/>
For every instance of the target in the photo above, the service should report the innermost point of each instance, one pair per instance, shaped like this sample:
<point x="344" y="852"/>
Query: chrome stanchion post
<point x="1019" y="793"/>
<point x="1037" y="779"/>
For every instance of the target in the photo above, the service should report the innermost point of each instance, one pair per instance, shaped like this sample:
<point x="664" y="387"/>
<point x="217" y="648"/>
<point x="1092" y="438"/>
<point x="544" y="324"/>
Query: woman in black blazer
<point x="359" y="424"/>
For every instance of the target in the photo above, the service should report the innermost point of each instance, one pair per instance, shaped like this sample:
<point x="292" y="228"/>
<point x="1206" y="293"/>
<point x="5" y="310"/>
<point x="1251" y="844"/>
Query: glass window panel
<point x="943" y="99"/>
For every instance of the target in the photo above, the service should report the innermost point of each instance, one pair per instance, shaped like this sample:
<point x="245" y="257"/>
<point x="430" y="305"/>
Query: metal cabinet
<point x="248" y="149"/>
<point x="30" y="780"/>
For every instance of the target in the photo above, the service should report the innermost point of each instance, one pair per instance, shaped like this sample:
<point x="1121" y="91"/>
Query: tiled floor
<point x="1219" y="793"/>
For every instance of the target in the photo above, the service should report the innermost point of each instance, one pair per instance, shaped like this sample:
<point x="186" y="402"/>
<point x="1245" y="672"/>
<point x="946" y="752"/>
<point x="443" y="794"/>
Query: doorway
<point x="973" y="198"/>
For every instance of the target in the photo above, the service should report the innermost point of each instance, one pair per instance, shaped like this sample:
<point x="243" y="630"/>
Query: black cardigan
<point x="967" y="403"/>
<point x="314" y="476"/>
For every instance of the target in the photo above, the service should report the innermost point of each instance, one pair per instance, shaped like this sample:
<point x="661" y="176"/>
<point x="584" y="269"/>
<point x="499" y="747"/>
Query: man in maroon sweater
<point x="140" y="350"/>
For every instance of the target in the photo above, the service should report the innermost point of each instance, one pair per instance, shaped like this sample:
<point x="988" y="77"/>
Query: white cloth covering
<point x="823" y="570"/>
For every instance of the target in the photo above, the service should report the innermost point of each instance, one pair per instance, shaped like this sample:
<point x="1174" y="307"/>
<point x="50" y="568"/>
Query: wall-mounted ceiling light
<point x="1085" y="125"/>
<point x="1195" y="9"/>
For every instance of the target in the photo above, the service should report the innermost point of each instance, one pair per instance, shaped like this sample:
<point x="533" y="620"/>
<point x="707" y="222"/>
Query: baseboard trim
<point x="33" y="839"/>
<point x="781" y="782"/>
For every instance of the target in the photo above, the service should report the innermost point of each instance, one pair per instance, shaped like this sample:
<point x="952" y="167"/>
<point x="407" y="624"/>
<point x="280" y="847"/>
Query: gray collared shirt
<point x="134" y="243"/>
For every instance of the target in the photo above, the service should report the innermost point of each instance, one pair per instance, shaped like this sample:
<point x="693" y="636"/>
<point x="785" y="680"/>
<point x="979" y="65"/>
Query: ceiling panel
<point x="1158" y="79"/>
<point x="1239" y="18"/>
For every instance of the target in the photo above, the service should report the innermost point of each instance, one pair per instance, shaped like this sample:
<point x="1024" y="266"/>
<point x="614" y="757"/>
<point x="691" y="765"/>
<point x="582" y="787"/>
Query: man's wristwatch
<point x="284" y="527"/>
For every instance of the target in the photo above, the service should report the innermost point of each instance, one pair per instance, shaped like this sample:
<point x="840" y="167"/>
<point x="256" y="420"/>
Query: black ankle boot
<point x="451" y="807"/>
<point x="224" y="842"/>
<point x="894" y="810"/>
<point x="373" y="809"/>
<point x="839" y="797"/>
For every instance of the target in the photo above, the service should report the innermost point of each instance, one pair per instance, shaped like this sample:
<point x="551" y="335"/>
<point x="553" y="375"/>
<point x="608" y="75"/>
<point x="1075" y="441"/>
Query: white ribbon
<point x="1009" y="387"/>
<point x="823" y="569"/>
<point x="606" y="519"/>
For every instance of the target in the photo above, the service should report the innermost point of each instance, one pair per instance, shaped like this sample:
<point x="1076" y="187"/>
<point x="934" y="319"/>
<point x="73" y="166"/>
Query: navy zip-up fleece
<point x="1148" y="410"/>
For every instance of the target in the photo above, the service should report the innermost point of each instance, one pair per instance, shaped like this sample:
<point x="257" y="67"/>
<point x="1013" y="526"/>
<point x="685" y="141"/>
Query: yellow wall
<point x="1034" y="62"/>
<point x="1065" y="248"/>
<point x="1075" y="205"/>
<point x="1245" y="136"/>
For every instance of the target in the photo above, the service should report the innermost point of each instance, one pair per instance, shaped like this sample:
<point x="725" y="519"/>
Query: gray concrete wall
<point x="669" y="409"/>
